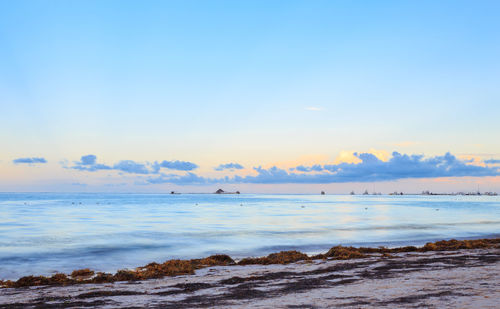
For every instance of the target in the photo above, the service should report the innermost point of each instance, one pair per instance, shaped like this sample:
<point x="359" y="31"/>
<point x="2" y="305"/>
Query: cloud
<point x="178" y="165"/>
<point x="89" y="163"/>
<point x="115" y="184"/>
<point x="313" y="108"/>
<point x="492" y="161"/>
<point x="129" y="166"/>
<point x="229" y="166"/>
<point x="88" y="160"/>
<point x="189" y="178"/>
<point x="370" y="169"/>
<point x="33" y="160"/>
<point x="302" y="168"/>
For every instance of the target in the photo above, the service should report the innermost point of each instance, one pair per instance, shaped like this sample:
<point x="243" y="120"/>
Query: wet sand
<point x="453" y="279"/>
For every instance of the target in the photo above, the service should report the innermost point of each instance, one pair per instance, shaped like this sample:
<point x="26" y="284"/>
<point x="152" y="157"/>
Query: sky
<point x="256" y="96"/>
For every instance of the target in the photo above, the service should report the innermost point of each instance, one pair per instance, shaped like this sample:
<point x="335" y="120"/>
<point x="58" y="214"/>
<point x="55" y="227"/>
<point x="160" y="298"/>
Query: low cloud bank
<point x="370" y="169"/>
<point x="492" y="161"/>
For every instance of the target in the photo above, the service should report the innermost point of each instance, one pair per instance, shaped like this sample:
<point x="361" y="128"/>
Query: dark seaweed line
<point x="185" y="267"/>
<point x="246" y="288"/>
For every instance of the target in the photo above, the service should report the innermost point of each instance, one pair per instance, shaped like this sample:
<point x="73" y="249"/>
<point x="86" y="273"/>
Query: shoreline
<point x="466" y="278"/>
<point x="311" y="250"/>
<point x="177" y="267"/>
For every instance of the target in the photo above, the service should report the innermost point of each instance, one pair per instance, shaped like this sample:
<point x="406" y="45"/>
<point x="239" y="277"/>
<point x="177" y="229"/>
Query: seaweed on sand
<point x="344" y="253"/>
<point x="283" y="257"/>
<point x="453" y="244"/>
<point x="187" y="267"/>
<point x="82" y="274"/>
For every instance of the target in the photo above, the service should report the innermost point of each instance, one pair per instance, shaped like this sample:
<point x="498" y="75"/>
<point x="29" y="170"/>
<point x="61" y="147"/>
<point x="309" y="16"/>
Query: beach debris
<point x="453" y="244"/>
<point x="102" y="278"/>
<point x="185" y="267"/>
<point x="82" y="274"/>
<point x="213" y="260"/>
<point x="343" y="253"/>
<point x="57" y="279"/>
<point x="283" y="257"/>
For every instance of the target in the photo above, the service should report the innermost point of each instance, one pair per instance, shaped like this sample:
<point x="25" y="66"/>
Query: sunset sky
<point x="259" y="96"/>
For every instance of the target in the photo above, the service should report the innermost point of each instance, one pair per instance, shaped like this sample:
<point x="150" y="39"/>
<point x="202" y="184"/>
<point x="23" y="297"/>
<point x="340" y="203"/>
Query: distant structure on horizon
<point x="478" y="193"/>
<point x="396" y="193"/>
<point x="220" y="191"/>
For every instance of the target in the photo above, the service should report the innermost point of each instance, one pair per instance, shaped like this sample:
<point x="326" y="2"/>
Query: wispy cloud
<point x="313" y="108"/>
<point x="492" y="161"/>
<point x="33" y="160"/>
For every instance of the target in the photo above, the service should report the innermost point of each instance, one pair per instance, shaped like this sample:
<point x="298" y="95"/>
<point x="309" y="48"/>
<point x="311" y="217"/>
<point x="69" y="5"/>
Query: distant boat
<point x="366" y="192"/>
<point x="352" y="193"/>
<point x="322" y="192"/>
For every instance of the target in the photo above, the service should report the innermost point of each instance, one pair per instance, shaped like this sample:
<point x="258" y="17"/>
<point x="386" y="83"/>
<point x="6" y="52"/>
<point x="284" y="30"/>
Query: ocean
<point x="44" y="233"/>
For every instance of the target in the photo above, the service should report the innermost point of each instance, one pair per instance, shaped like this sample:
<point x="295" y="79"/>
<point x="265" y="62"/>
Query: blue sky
<point x="184" y="89"/>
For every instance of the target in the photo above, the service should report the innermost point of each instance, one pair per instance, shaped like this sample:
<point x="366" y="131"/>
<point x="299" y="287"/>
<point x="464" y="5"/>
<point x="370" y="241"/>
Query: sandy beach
<point x="465" y="278"/>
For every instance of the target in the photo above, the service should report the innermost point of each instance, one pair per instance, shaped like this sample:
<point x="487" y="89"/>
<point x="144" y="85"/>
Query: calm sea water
<point x="45" y="233"/>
